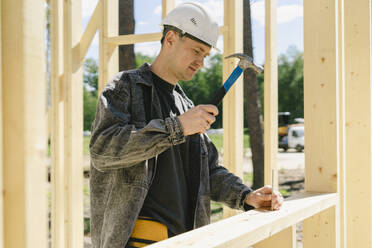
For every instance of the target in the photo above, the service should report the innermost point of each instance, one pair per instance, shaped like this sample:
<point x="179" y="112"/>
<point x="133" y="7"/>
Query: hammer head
<point x="246" y="62"/>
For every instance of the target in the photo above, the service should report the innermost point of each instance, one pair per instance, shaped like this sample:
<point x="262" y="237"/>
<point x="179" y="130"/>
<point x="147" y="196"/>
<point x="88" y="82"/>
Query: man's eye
<point x="196" y="52"/>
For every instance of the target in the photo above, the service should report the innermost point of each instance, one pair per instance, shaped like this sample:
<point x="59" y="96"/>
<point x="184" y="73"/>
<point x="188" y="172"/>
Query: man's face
<point x="188" y="57"/>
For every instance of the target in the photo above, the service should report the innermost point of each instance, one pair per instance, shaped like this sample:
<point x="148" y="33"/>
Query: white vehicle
<point x="294" y="139"/>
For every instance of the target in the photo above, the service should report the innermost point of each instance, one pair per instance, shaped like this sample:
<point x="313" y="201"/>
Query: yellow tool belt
<point x="147" y="231"/>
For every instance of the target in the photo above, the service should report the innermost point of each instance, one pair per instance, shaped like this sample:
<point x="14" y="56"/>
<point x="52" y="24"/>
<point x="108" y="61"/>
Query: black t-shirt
<point x="168" y="200"/>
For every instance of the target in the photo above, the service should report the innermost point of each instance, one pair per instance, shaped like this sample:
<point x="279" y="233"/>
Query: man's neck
<point x="162" y="70"/>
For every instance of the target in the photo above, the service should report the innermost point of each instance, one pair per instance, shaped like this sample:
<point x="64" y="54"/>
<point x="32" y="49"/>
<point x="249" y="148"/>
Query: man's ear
<point x="170" y="38"/>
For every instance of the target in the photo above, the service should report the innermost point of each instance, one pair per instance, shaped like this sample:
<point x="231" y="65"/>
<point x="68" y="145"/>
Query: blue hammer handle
<point x="226" y="86"/>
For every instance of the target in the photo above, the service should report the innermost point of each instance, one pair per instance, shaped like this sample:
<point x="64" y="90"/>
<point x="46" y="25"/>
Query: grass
<point x="86" y="145"/>
<point x="217" y="140"/>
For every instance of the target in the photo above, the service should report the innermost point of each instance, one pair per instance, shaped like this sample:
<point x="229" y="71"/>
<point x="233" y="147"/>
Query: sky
<point x="148" y="17"/>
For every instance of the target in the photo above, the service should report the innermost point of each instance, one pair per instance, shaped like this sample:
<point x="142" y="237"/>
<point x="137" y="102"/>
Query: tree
<point x="90" y="91"/>
<point x="126" y="26"/>
<point x="290" y="83"/>
<point x="252" y="102"/>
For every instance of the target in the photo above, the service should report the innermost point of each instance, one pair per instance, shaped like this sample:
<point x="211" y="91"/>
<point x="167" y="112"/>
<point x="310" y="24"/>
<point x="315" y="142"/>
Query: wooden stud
<point x="321" y="92"/>
<point x="73" y="126"/>
<point x="320" y="230"/>
<point x="108" y="53"/>
<point x="57" y="130"/>
<point x="1" y="142"/>
<point x="271" y="94"/>
<point x="248" y="228"/>
<point x="233" y="101"/>
<point x="358" y="84"/>
<point x="167" y="5"/>
<point x="341" y="75"/>
<point x="285" y="239"/>
<point x="89" y="32"/>
<point x="321" y="95"/>
<point x="24" y="123"/>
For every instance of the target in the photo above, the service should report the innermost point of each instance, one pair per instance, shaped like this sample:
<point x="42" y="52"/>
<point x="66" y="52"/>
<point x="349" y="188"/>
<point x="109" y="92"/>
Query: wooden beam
<point x="341" y="75"/>
<point x="132" y="38"/>
<point x="129" y="39"/>
<point x="167" y="5"/>
<point x="358" y="84"/>
<point x="233" y="101"/>
<point x="57" y="130"/>
<point x="108" y="52"/>
<point x="24" y="123"/>
<point x="321" y="93"/>
<point x="1" y="141"/>
<point x="89" y="32"/>
<point x="271" y="93"/>
<point x="250" y="227"/>
<point x="73" y="126"/>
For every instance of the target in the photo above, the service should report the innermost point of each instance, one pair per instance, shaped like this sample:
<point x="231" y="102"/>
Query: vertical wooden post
<point x="1" y="139"/>
<point x="321" y="116"/>
<point x="73" y="125"/>
<point x="287" y="237"/>
<point x="271" y="93"/>
<point x="233" y="101"/>
<point x="342" y="140"/>
<point x="167" y="5"/>
<point x="358" y="82"/>
<point x="24" y="123"/>
<point x="57" y="130"/>
<point x="108" y="53"/>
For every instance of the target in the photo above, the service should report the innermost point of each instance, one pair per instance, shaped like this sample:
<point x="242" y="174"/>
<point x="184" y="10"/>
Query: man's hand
<point x="198" y="119"/>
<point x="264" y="197"/>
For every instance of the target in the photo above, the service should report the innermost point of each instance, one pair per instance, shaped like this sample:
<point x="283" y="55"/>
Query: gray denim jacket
<point x="123" y="151"/>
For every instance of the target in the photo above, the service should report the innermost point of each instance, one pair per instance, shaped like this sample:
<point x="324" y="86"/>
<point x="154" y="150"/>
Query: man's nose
<point x="200" y="61"/>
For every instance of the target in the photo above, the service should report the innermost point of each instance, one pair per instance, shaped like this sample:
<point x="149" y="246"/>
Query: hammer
<point x="244" y="63"/>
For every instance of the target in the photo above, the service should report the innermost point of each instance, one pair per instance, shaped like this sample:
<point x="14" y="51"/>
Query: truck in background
<point x="291" y="135"/>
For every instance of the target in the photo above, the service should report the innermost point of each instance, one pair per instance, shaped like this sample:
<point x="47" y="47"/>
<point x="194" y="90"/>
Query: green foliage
<point x="290" y="83"/>
<point x="91" y="75"/>
<point x="141" y="59"/>
<point x="90" y="103"/>
<point x="90" y="91"/>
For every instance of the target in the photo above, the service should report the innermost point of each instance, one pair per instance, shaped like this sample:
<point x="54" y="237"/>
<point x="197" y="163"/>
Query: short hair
<point x="181" y="33"/>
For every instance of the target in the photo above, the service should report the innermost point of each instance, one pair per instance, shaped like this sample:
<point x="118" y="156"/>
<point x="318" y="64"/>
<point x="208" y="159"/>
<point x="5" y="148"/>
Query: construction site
<point x="335" y="209"/>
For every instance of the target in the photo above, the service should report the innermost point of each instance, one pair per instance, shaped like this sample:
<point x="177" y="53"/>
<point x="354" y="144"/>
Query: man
<point x="153" y="168"/>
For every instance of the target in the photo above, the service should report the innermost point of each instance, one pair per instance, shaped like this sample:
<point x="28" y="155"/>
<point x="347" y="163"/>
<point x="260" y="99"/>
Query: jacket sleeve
<point x="117" y="142"/>
<point x="225" y="186"/>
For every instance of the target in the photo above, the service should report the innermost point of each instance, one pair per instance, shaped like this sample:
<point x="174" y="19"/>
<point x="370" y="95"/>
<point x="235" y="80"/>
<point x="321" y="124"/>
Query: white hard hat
<point x="191" y="18"/>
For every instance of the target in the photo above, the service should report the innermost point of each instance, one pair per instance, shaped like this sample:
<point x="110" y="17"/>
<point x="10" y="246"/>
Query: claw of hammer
<point x="244" y="63"/>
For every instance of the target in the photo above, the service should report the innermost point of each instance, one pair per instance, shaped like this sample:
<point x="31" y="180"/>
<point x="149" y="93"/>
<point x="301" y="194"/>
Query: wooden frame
<point x="248" y="228"/>
<point x="321" y="93"/>
<point x="1" y="140"/>
<point x="337" y="113"/>
<point x="358" y="130"/>
<point x="73" y="128"/>
<point x="24" y="123"/>
<point x="57" y="127"/>
<point x="233" y="101"/>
